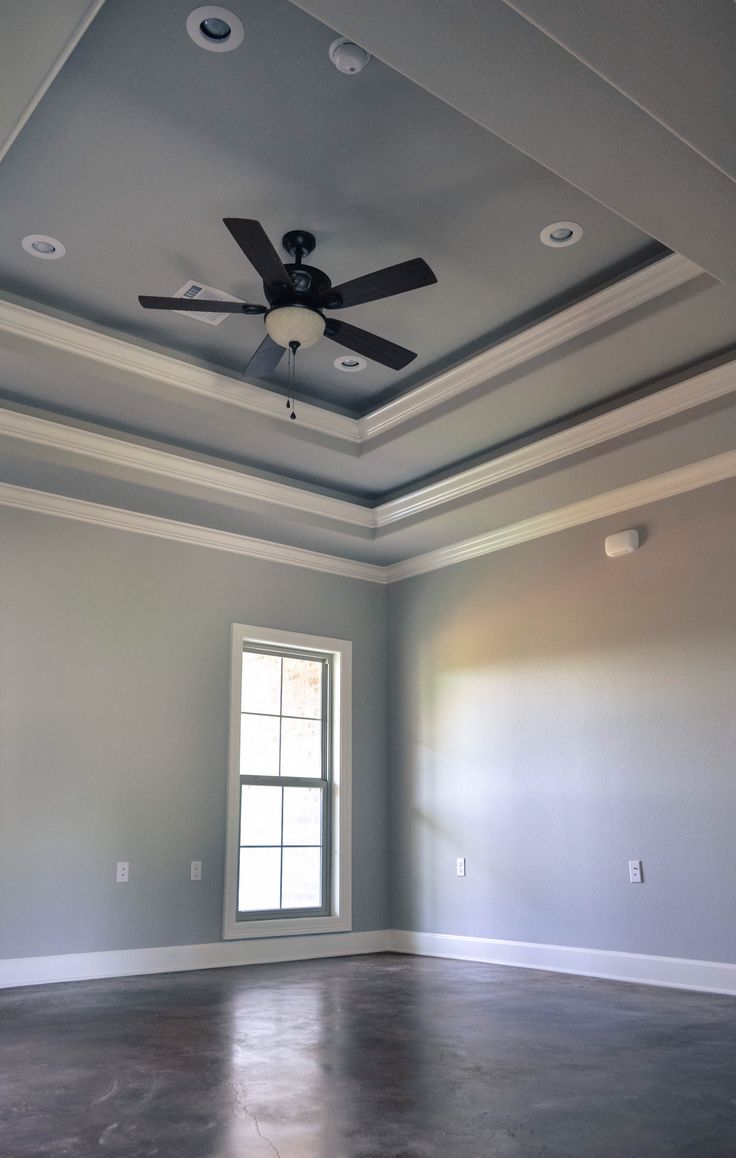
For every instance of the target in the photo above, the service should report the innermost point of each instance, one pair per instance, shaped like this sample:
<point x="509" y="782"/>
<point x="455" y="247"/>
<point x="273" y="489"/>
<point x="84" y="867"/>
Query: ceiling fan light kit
<point x="287" y="324"/>
<point x="297" y="294"/>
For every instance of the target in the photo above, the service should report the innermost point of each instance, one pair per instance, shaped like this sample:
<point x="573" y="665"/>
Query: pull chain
<point x="290" y="402"/>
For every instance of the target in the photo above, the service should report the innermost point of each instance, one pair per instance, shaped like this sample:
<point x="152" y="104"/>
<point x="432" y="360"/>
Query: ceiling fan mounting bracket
<point x="298" y="243"/>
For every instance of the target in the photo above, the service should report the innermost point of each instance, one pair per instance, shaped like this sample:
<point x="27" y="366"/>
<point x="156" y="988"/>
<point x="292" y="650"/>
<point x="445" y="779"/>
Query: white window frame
<point x="339" y="919"/>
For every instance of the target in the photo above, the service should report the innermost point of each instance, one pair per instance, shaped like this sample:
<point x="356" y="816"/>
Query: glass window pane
<point x="301" y="748"/>
<point x="259" y="745"/>
<point x="260" y="815"/>
<point x="261" y="688"/>
<point x="302" y="884"/>
<point x="302" y="690"/>
<point x="260" y="870"/>
<point x="302" y="815"/>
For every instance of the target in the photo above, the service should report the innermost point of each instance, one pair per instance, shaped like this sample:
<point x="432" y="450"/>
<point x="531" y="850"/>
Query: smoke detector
<point x="348" y="57"/>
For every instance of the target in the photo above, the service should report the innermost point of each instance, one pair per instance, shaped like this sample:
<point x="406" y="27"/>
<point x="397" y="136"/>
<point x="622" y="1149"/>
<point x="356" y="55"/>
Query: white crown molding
<point x="685" y="395"/>
<point x="79" y="510"/>
<point x="609" y="964"/>
<point x="627" y="294"/>
<point x="83" y="24"/>
<point x="136" y="456"/>
<point x="638" y="494"/>
<point x="128" y="357"/>
<point x="17" y="971"/>
<point x="106" y="448"/>
<point x="664" y="486"/>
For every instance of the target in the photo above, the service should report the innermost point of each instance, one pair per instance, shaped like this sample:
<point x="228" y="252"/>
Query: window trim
<point x="339" y="919"/>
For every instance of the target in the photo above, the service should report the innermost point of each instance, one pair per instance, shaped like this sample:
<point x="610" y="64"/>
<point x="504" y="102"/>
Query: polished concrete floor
<point x="365" y="1057"/>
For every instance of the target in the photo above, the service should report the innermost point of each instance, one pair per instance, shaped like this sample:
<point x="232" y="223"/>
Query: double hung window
<point x="287" y="867"/>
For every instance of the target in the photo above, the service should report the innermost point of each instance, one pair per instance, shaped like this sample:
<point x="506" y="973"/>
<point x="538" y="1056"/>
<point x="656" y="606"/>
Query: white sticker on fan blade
<point x="195" y="289"/>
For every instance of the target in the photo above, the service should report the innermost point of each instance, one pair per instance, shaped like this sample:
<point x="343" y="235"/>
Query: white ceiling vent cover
<point x="195" y="289"/>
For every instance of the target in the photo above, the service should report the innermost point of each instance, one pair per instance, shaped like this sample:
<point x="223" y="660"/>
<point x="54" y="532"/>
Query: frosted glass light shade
<point x="294" y="324"/>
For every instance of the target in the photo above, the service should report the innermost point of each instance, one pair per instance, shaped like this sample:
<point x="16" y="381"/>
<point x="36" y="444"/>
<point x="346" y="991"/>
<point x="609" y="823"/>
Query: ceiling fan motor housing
<point x="308" y="286"/>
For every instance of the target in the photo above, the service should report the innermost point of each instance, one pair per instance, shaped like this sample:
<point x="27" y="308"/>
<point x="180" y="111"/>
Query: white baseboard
<point x="672" y="972"/>
<point x="16" y="971"/>
<point x="609" y="964"/>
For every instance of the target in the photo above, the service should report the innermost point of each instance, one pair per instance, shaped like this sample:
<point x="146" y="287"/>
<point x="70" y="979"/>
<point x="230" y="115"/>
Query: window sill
<point x="285" y="927"/>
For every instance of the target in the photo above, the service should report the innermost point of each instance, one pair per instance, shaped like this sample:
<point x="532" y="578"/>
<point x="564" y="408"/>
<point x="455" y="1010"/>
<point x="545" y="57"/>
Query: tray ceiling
<point x="465" y="135"/>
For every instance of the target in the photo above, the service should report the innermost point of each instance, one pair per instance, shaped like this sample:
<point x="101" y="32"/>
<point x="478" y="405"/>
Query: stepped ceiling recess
<point x="553" y="383"/>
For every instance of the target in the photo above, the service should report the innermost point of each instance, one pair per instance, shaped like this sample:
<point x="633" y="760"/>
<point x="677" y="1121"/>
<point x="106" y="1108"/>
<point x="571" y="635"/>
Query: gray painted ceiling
<point x="472" y="128"/>
<point x="145" y="142"/>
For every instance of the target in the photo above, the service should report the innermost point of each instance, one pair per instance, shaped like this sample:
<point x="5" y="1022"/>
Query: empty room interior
<point x="368" y="572"/>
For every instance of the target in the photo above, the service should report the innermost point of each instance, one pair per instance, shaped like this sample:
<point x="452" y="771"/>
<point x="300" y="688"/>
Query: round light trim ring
<point x="561" y="233"/>
<point x="350" y="363"/>
<point x="217" y="39"/>
<point x="39" y="245"/>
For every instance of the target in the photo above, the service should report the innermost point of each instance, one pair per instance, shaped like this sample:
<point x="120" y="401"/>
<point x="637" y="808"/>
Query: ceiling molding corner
<point x="139" y="457"/>
<point x="124" y="355"/>
<point x="115" y="518"/>
<point x="566" y="324"/>
<point x="664" y="486"/>
<point x="624" y="419"/>
<point x="716" y="469"/>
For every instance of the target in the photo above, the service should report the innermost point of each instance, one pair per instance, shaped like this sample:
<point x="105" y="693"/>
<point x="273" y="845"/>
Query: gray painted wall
<point x="114" y="692"/>
<point x="557" y="713"/>
<point x="554" y="714"/>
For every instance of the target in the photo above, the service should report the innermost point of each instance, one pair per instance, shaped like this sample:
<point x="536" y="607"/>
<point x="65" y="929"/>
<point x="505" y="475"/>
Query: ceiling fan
<point x="297" y="294"/>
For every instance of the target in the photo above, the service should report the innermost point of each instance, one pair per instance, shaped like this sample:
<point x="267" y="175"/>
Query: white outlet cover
<point x="123" y="872"/>
<point x="635" y="872"/>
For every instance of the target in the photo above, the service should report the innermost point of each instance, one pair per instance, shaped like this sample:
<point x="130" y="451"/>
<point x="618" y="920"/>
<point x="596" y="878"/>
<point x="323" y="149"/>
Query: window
<point x="288" y="862"/>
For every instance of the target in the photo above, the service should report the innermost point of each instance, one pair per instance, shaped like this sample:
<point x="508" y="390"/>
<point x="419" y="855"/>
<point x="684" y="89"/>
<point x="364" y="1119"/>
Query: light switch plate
<point x="461" y="866"/>
<point x="635" y="873"/>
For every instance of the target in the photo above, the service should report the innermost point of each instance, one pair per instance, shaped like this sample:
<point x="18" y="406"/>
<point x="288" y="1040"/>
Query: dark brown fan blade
<point x="253" y="240"/>
<point x="266" y="358"/>
<point x="197" y="305"/>
<point x="384" y="283"/>
<point x="373" y="347"/>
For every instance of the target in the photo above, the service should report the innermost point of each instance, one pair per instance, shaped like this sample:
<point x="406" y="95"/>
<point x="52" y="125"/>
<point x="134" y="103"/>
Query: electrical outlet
<point x="123" y="872"/>
<point x="461" y="866"/>
<point x="635" y="874"/>
<point x="196" y="870"/>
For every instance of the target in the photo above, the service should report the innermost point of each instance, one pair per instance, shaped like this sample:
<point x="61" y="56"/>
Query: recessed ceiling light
<point x="350" y="363"/>
<point x="561" y="233"/>
<point x="39" y="245"/>
<point x="214" y="28"/>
